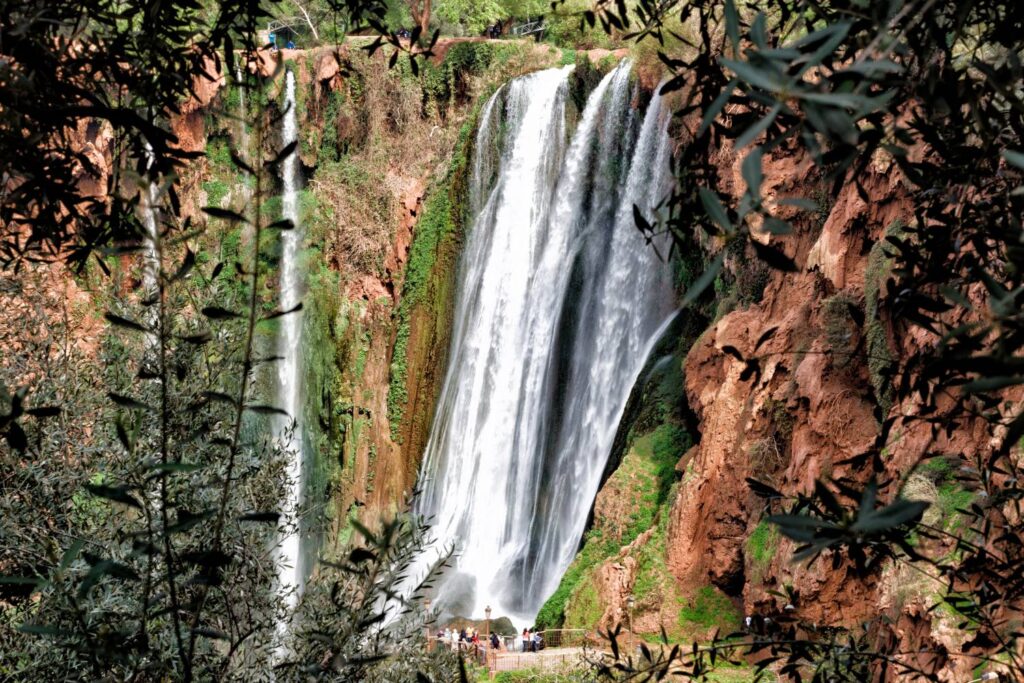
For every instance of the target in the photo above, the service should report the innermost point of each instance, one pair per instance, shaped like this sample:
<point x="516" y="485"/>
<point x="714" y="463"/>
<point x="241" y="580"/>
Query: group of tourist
<point x="277" y="42"/>
<point x="465" y="638"/>
<point x="470" y="639"/>
<point x="532" y="641"/>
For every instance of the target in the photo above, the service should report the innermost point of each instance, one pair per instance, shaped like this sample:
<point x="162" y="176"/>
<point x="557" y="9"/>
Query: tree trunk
<point x="305" y="14"/>
<point x="420" y="11"/>
<point x="425" y="19"/>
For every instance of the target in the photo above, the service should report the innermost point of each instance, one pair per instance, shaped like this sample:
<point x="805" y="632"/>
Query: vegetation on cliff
<point x="135" y="524"/>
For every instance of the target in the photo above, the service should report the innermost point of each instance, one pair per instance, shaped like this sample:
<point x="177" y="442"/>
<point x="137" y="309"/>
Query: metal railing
<point x="470" y="650"/>
<point x="554" y="649"/>
<point x="566" y="637"/>
<point x="528" y="28"/>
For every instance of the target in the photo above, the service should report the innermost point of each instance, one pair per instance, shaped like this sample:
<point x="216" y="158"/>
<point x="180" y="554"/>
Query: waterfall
<point x="559" y="302"/>
<point x="150" y="210"/>
<point x="243" y="127"/>
<point x="288" y="430"/>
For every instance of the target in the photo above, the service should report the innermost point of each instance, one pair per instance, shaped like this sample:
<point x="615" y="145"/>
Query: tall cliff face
<point x="708" y="557"/>
<point x="385" y="155"/>
<point x="812" y="408"/>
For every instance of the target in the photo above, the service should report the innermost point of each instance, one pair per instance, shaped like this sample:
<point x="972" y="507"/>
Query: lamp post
<point x="630" y="604"/>
<point x="487" y="640"/>
<point x="426" y="623"/>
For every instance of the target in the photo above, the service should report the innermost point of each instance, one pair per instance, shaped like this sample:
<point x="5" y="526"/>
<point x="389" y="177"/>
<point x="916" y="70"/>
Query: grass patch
<point x="708" y="608"/>
<point x="952" y="496"/>
<point x="653" y="580"/>
<point x="645" y="476"/>
<point x="658" y="453"/>
<point x="761" y="547"/>
<point x="216" y="190"/>
<point x="585" y="607"/>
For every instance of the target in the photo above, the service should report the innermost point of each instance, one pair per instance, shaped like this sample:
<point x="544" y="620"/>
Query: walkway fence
<point x="528" y="28"/>
<point x="556" y="650"/>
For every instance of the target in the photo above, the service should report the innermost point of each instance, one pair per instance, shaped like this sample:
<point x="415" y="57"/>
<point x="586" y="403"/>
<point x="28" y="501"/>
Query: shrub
<point x="761" y="547"/>
<point x="708" y="608"/>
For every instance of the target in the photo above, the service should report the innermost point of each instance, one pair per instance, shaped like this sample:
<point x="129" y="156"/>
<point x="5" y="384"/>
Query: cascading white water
<point x="560" y="300"/>
<point x="150" y="210"/>
<point x="288" y="430"/>
<point x="243" y="127"/>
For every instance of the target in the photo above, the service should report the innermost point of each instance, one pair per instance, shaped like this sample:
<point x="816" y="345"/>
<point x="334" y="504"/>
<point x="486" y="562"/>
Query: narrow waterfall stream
<point x="150" y="209"/>
<point x="243" y="113"/>
<point x="288" y="430"/>
<point x="559" y="302"/>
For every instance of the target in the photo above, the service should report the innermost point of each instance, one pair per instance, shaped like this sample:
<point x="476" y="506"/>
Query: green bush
<point x="565" y="29"/>
<point x="216" y="191"/>
<point x="331" y="148"/>
<point x="761" y="547"/>
<point x="448" y="82"/>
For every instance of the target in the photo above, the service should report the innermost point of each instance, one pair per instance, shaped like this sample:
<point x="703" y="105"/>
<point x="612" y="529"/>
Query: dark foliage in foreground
<point x="933" y="90"/>
<point x="139" y="499"/>
<point x="68" y="68"/>
<point x="156" y="569"/>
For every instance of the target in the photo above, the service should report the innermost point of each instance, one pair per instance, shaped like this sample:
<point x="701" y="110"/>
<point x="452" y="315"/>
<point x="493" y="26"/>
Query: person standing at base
<point x="526" y="640"/>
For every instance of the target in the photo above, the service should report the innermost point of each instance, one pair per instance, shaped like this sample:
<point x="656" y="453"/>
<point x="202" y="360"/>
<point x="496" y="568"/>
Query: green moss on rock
<point x="586" y="605"/>
<point x="428" y="289"/>
<point x="761" y="547"/>
<point x="881" y="361"/>
<point x="645" y="477"/>
<point x="708" y="608"/>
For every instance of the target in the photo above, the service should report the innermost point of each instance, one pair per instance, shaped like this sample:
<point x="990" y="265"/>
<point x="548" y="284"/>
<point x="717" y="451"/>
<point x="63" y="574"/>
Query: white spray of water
<point x="243" y="128"/>
<point x="289" y="429"/>
<point x="560" y="301"/>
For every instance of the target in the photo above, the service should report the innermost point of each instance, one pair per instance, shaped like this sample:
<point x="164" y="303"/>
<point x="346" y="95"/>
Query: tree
<point x="420" y="11"/>
<point x="474" y="16"/>
<point x="477" y="16"/>
<point x="135" y="538"/>
<point x="309" y="20"/>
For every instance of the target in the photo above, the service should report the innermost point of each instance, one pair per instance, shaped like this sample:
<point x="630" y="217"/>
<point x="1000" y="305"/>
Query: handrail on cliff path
<point x="528" y="28"/>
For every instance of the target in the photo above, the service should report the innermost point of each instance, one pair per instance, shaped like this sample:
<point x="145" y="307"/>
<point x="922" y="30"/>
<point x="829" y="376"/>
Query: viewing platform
<point x="558" y="650"/>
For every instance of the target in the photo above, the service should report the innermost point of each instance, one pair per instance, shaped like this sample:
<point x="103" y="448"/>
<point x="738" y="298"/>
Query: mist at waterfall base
<point x="560" y="299"/>
<point x="288" y="429"/>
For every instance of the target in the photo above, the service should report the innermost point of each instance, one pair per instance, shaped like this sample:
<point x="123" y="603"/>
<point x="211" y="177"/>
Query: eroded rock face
<point x="811" y="407"/>
<point x="824" y="398"/>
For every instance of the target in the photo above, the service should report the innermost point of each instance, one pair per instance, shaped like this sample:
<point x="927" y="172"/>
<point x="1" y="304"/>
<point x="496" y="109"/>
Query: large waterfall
<point x="559" y="302"/>
<point x="289" y="429"/>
